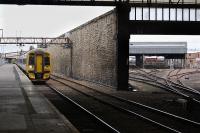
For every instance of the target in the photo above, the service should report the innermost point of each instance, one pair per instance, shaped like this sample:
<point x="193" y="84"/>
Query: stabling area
<point x="91" y="79"/>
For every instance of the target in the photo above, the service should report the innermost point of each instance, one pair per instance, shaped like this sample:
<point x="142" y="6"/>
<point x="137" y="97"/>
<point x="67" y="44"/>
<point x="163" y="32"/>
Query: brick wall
<point x="93" y="51"/>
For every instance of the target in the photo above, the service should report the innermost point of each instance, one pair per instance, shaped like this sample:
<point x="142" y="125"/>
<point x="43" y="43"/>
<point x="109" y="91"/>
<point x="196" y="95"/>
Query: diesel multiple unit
<point x="36" y="64"/>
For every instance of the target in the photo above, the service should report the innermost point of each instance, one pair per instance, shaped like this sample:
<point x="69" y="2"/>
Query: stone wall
<point x="93" y="51"/>
<point x="60" y="60"/>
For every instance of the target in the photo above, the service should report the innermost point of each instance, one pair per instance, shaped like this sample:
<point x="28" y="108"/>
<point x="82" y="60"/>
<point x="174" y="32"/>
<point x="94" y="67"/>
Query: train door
<point x="39" y="63"/>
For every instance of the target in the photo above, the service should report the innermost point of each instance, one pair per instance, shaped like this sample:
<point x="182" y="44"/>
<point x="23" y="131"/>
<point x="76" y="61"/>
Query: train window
<point x="46" y="61"/>
<point x="31" y="60"/>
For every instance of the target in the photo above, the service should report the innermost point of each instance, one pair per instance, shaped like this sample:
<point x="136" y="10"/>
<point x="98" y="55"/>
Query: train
<point x="35" y="64"/>
<point x="154" y="60"/>
<point x="149" y="62"/>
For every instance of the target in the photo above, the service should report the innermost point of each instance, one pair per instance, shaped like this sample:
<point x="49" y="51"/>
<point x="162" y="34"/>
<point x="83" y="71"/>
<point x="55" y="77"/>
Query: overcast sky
<point x="52" y="21"/>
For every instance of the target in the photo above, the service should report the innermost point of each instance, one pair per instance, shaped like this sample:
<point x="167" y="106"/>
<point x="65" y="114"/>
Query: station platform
<point x="23" y="109"/>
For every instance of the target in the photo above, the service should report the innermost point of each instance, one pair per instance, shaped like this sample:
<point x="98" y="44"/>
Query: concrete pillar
<point x="175" y="63"/>
<point x="122" y="12"/>
<point x="139" y="61"/>
<point x="184" y="61"/>
<point x="167" y="62"/>
<point x="171" y="63"/>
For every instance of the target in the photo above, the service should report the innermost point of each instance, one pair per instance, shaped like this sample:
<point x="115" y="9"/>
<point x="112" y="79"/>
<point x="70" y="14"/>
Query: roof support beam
<point x="103" y="3"/>
<point x="164" y="27"/>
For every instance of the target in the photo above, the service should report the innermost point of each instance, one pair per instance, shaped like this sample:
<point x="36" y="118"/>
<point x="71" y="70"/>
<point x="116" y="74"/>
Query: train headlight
<point x="30" y="66"/>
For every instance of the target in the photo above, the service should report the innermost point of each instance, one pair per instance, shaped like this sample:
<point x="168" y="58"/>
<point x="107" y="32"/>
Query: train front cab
<point x="38" y="66"/>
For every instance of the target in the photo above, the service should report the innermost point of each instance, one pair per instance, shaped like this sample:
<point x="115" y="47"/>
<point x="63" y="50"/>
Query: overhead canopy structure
<point x="157" y="48"/>
<point x="182" y="3"/>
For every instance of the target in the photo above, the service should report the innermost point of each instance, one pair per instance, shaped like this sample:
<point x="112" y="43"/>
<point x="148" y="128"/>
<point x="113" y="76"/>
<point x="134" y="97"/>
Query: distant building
<point x="193" y="60"/>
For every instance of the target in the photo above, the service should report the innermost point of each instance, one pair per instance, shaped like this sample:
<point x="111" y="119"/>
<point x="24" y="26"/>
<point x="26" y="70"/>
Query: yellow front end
<point x="38" y="66"/>
<point x="47" y="71"/>
<point x="47" y="66"/>
<point x="31" y="76"/>
<point x="30" y="66"/>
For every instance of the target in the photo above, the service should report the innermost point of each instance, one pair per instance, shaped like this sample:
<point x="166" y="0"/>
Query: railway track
<point x="109" y="113"/>
<point x="84" y="120"/>
<point x="161" y="119"/>
<point x="180" y="83"/>
<point x="190" y="94"/>
<point x="185" y="73"/>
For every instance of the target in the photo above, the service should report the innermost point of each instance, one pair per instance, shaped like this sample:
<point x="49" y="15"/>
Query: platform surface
<point x="23" y="109"/>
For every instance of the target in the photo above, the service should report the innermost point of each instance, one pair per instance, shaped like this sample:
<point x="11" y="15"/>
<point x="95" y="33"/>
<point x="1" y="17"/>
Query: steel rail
<point x="164" y="86"/>
<point x="178" y="76"/>
<point x="186" y="73"/>
<point x="173" y="88"/>
<point x="127" y="111"/>
<point x="112" y="129"/>
<point x="150" y="83"/>
<point x="191" y="90"/>
<point x="109" y="127"/>
<point x="139" y="104"/>
<point x="181" y="87"/>
<point x="174" y="85"/>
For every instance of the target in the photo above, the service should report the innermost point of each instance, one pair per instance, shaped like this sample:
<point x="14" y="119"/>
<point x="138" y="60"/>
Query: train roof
<point x="38" y="50"/>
